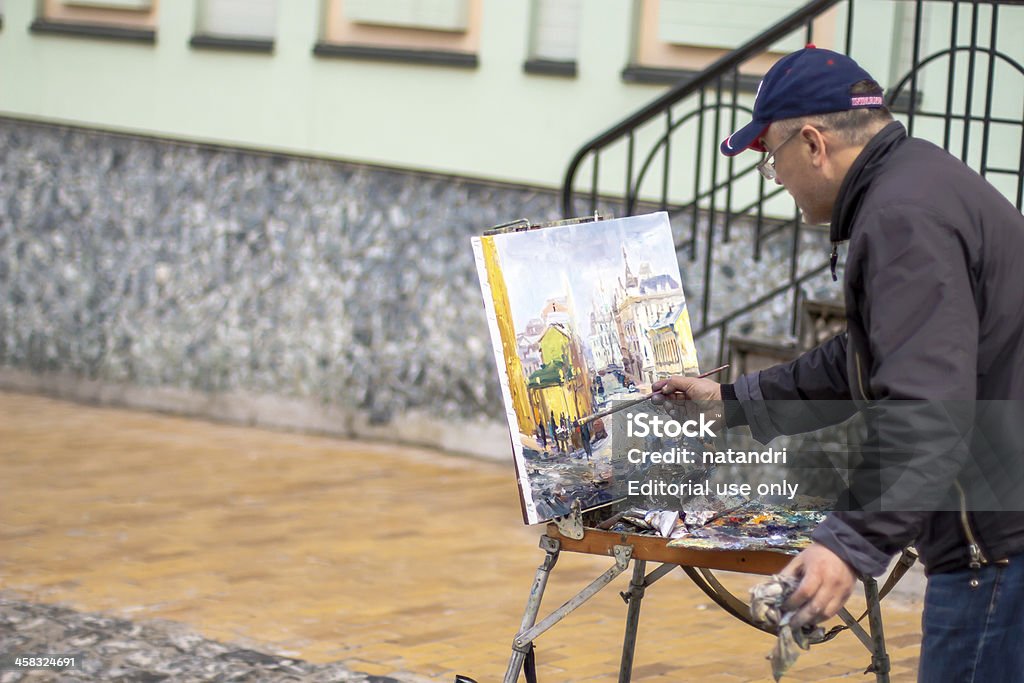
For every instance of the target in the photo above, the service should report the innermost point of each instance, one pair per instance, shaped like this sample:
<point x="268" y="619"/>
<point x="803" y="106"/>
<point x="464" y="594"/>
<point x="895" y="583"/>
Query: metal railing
<point x="718" y="194"/>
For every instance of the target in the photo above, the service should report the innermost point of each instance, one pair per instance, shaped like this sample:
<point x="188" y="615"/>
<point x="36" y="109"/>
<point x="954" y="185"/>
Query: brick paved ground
<point x="386" y="559"/>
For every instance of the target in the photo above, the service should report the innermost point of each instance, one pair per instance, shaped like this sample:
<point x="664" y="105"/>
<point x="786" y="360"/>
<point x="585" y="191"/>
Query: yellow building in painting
<point x="672" y="344"/>
<point x="509" y="345"/>
<point x="562" y="384"/>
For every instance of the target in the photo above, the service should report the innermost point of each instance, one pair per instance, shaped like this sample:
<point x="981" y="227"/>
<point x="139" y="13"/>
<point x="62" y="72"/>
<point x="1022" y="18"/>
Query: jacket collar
<point x="856" y="183"/>
<point x="858" y="179"/>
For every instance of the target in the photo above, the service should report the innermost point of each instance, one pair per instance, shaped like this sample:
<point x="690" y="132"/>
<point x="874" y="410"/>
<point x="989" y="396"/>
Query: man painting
<point x="934" y="313"/>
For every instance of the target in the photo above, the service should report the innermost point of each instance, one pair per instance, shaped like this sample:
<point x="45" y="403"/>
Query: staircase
<point x="756" y="277"/>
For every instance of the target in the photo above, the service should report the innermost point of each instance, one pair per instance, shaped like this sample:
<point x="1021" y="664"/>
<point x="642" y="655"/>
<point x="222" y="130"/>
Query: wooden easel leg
<point x="879" y="657"/>
<point x="633" y="597"/>
<point x="550" y="546"/>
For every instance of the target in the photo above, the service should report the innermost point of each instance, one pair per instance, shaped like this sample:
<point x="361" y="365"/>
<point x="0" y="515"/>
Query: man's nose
<point x="777" y="181"/>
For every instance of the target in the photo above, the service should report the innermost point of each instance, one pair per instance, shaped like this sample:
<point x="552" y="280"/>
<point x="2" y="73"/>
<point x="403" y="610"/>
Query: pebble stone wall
<point x="261" y="288"/>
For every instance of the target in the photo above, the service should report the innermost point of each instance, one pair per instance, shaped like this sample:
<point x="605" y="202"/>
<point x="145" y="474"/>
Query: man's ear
<point x="816" y="145"/>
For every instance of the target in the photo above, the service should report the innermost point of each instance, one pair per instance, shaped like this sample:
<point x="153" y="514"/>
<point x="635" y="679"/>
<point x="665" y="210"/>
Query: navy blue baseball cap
<point x="807" y="82"/>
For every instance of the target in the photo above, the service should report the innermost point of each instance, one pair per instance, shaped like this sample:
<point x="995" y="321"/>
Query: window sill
<point x="464" y="60"/>
<point x="550" y="67"/>
<point x="208" y="42"/>
<point x="661" y="76"/>
<point x="122" y="33"/>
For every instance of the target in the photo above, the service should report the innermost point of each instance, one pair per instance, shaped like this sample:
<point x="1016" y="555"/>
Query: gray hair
<point x="853" y="126"/>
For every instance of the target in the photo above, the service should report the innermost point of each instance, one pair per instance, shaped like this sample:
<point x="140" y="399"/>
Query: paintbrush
<point x="629" y="404"/>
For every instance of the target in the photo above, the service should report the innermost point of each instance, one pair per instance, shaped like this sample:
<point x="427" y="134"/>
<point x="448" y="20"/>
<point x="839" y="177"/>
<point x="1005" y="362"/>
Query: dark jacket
<point x="935" y="310"/>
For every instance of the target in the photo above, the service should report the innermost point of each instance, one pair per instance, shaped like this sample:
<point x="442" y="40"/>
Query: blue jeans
<point x="974" y="635"/>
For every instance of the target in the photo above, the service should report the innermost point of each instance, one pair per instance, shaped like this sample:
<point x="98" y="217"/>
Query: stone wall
<point x="265" y="289"/>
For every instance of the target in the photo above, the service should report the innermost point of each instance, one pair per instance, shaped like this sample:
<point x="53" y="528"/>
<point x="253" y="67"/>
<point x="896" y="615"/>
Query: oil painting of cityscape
<point x="580" y="315"/>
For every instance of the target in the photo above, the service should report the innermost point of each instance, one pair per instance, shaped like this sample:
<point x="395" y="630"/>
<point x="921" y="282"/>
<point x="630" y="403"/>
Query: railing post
<point x="699" y="169"/>
<point x="973" y="49"/>
<point x="990" y="88"/>
<point x="667" y="156"/>
<point x="914" y="61"/>
<point x="951" y="76"/>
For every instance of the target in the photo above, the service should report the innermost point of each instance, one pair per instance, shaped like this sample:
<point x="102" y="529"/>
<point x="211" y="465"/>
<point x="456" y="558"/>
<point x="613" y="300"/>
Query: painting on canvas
<point x="580" y="315"/>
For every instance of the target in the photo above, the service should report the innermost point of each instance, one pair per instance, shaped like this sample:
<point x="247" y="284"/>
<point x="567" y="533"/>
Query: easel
<point x="570" y="533"/>
<point x="698" y="565"/>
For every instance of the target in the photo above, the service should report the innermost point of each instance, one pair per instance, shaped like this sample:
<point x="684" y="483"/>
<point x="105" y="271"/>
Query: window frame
<point x="657" y="62"/>
<point x="240" y="42"/>
<point x="344" y="38"/>
<point x="64" y="17"/>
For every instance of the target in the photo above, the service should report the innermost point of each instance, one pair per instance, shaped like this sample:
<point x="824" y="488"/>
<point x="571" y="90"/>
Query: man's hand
<point x="684" y="398"/>
<point x="689" y="388"/>
<point x="826" y="582"/>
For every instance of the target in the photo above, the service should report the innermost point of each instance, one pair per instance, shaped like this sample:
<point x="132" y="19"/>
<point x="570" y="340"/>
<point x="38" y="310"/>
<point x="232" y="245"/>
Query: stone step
<point x="820" y="320"/>
<point x="749" y="354"/>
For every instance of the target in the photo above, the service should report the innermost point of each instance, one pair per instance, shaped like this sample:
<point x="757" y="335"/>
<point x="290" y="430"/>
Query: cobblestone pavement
<point x="119" y="650"/>
<point x="392" y="561"/>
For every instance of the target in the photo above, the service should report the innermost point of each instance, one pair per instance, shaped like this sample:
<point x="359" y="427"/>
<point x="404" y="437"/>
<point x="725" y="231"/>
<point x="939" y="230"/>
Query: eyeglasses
<point x="767" y="167"/>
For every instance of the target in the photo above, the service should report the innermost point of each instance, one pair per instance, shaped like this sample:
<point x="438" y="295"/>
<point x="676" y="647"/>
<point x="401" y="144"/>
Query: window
<point x="441" y="32"/>
<point x="111" y="4"/>
<point x="554" y="39"/>
<point x="437" y="15"/>
<point x="676" y="38"/>
<point x="244" y="24"/>
<point x="130" y="20"/>
<point x="723" y="23"/>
